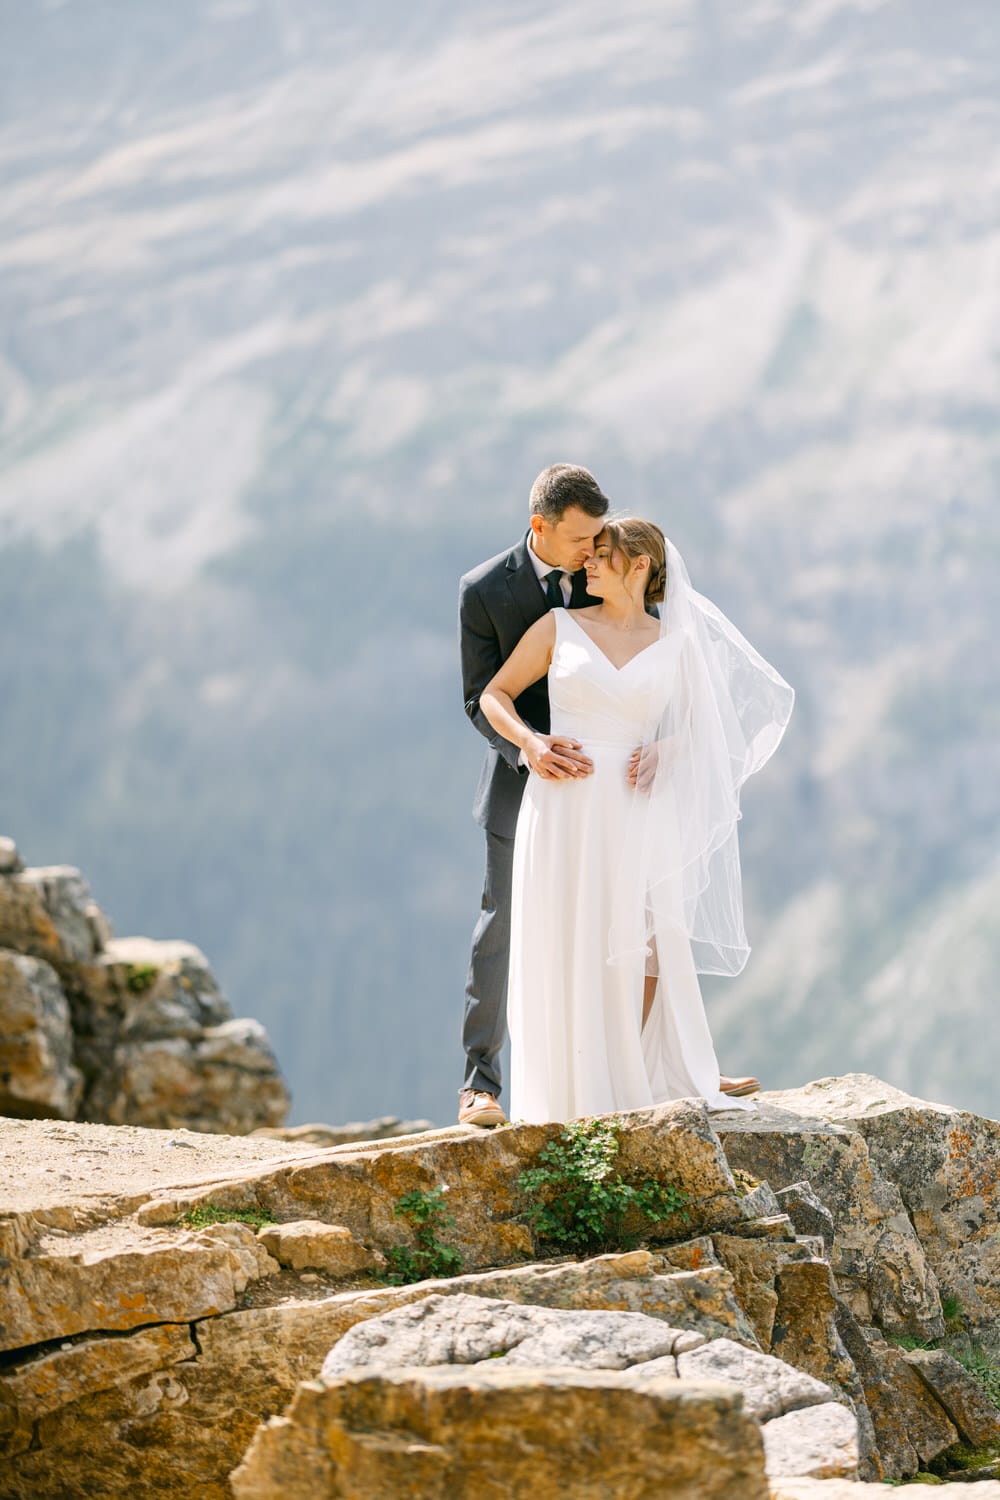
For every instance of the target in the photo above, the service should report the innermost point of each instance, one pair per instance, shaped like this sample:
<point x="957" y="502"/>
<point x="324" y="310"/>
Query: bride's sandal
<point x="737" y="1087"/>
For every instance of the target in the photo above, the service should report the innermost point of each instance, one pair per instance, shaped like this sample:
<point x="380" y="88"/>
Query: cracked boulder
<point x="465" y="1330"/>
<point x="945" y="1164"/>
<point x="162" y="1047"/>
<point x="879" y="1262"/>
<point x="770" y="1387"/>
<point x="127" y="1031"/>
<point x="38" y="1077"/>
<point x="468" y="1330"/>
<point x="118" y="1277"/>
<point x="445" y="1432"/>
<point x="48" y="912"/>
<point x="959" y="1393"/>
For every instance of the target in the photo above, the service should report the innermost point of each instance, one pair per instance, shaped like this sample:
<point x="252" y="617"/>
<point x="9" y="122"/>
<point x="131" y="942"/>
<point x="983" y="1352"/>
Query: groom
<point x="497" y="602"/>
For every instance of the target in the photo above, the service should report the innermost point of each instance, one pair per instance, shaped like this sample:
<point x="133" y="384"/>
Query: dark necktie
<point x="553" y="592"/>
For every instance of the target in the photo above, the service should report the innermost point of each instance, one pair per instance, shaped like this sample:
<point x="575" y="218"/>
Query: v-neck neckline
<point x="634" y="657"/>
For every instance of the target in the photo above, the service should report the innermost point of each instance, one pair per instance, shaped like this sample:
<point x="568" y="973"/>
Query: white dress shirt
<point x="543" y="569"/>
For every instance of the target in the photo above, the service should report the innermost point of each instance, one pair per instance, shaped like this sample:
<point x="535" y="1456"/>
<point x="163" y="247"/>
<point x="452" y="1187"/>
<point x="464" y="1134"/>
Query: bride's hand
<point x="646" y="760"/>
<point x="642" y="767"/>
<point x="553" y="757"/>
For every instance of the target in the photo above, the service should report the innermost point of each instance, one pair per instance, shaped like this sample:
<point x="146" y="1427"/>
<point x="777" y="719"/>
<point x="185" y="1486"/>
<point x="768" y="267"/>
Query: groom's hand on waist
<point x="556" y="758"/>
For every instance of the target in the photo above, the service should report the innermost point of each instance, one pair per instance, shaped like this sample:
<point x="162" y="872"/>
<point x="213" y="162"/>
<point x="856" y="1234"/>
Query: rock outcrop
<point x="124" y="1031"/>
<point x="438" y="1433"/>
<point x="385" y="1128"/>
<point x="945" y="1165"/>
<point x="732" y="1349"/>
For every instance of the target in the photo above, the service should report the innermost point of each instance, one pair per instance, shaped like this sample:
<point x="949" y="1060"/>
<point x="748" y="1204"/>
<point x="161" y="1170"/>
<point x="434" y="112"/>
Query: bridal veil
<point x="722" y="724"/>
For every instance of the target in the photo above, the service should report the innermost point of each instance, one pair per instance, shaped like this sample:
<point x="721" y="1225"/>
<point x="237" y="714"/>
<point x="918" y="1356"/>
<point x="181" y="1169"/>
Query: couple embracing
<point x="623" y="712"/>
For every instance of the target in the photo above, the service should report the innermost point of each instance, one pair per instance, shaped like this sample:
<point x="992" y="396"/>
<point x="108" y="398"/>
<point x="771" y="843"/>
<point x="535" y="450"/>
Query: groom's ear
<point x="536" y="523"/>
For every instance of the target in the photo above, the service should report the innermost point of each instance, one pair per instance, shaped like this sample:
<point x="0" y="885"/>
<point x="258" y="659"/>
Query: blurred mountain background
<point x="296" y="300"/>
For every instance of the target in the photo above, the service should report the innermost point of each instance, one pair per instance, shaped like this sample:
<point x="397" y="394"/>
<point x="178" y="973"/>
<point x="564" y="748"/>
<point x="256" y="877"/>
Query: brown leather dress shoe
<point x="476" y="1107"/>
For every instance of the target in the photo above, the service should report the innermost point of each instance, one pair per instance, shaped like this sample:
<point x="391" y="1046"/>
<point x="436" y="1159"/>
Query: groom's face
<point x="568" y="542"/>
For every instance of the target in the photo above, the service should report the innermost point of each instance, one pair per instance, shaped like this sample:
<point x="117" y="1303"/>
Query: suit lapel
<point x="522" y="580"/>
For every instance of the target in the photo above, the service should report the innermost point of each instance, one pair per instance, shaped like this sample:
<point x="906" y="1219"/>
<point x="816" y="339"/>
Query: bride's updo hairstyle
<point x="633" y="538"/>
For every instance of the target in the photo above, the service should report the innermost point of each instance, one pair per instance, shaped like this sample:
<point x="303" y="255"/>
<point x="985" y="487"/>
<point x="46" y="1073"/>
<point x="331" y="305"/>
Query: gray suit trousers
<point x="485" y="1027"/>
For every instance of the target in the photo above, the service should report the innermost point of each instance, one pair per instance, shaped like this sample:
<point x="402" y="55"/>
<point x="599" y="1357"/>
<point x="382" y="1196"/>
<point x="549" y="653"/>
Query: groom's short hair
<point x="562" y="485"/>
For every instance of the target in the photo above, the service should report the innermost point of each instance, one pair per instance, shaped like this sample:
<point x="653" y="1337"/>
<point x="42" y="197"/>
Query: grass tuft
<point x="208" y="1213"/>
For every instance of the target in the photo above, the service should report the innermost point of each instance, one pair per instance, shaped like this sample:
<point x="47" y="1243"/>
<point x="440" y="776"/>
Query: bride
<point x="627" y="877"/>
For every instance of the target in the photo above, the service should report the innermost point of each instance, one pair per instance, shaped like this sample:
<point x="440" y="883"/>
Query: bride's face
<point x="609" y="574"/>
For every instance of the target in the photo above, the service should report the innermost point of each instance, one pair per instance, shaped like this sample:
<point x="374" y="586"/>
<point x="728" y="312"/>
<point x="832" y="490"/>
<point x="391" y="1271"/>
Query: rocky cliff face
<point x="175" y="1303"/>
<point x="121" y="1030"/>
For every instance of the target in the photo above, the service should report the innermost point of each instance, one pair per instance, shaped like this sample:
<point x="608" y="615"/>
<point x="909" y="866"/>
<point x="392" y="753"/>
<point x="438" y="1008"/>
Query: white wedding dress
<point x="578" y="1046"/>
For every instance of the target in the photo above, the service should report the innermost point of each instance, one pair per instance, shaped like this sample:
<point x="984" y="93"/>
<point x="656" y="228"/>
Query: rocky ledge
<point x="120" y="1030"/>
<point x="183" y="1308"/>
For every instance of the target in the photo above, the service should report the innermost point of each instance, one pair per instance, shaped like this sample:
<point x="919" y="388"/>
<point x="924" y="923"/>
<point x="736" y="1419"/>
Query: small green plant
<point x="907" y="1341"/>
<point x="207" y="1213"/>
<point x="964" y="1457"/>
<point x="985" y="1369"/>
<point x="578" y="1202"/>
<point x="141" y="977"/>
<point x="427" y="1216"/>
<point x="979" y="1362"/>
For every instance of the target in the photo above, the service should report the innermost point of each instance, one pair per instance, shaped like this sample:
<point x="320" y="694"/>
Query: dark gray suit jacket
<point x="497" y="602"/>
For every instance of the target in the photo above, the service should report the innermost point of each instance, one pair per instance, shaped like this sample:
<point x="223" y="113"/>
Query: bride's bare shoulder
<point x="543" y="632"/>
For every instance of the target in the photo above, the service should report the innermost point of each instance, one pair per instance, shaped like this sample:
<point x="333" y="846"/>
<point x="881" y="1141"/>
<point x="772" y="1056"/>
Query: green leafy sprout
<point x="578" y="1202"/>
<point x="141" y="977"/>
<point x="428" y="1217"/>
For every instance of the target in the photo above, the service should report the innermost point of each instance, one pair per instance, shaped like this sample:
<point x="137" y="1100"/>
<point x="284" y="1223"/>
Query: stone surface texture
<point x="844" y="1489"/>
<point x="465" y="1330"/>
<point x="121" y="1279"/>
<point x="359" y="1187"/>
<point x="47" y="912"/>
<point x="770" y="1387"/>
<point x="386" y="1127"/>
<point x="961" y="1395"/>
<point x="506" y="1434"/>
<point x="126" y="1031"/>
<point x="945" y="1163"/>
<point x="116" y="1261"/>
<point x="807" y="1213"/>
<point x="38" y="1077"/>
<point x="880" y="1264"/>
<point x="309" y="1246"/>
<point x="138" y="1347"/>
<point x="806" y="1334"/>
<point x="820" y="1442"/>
